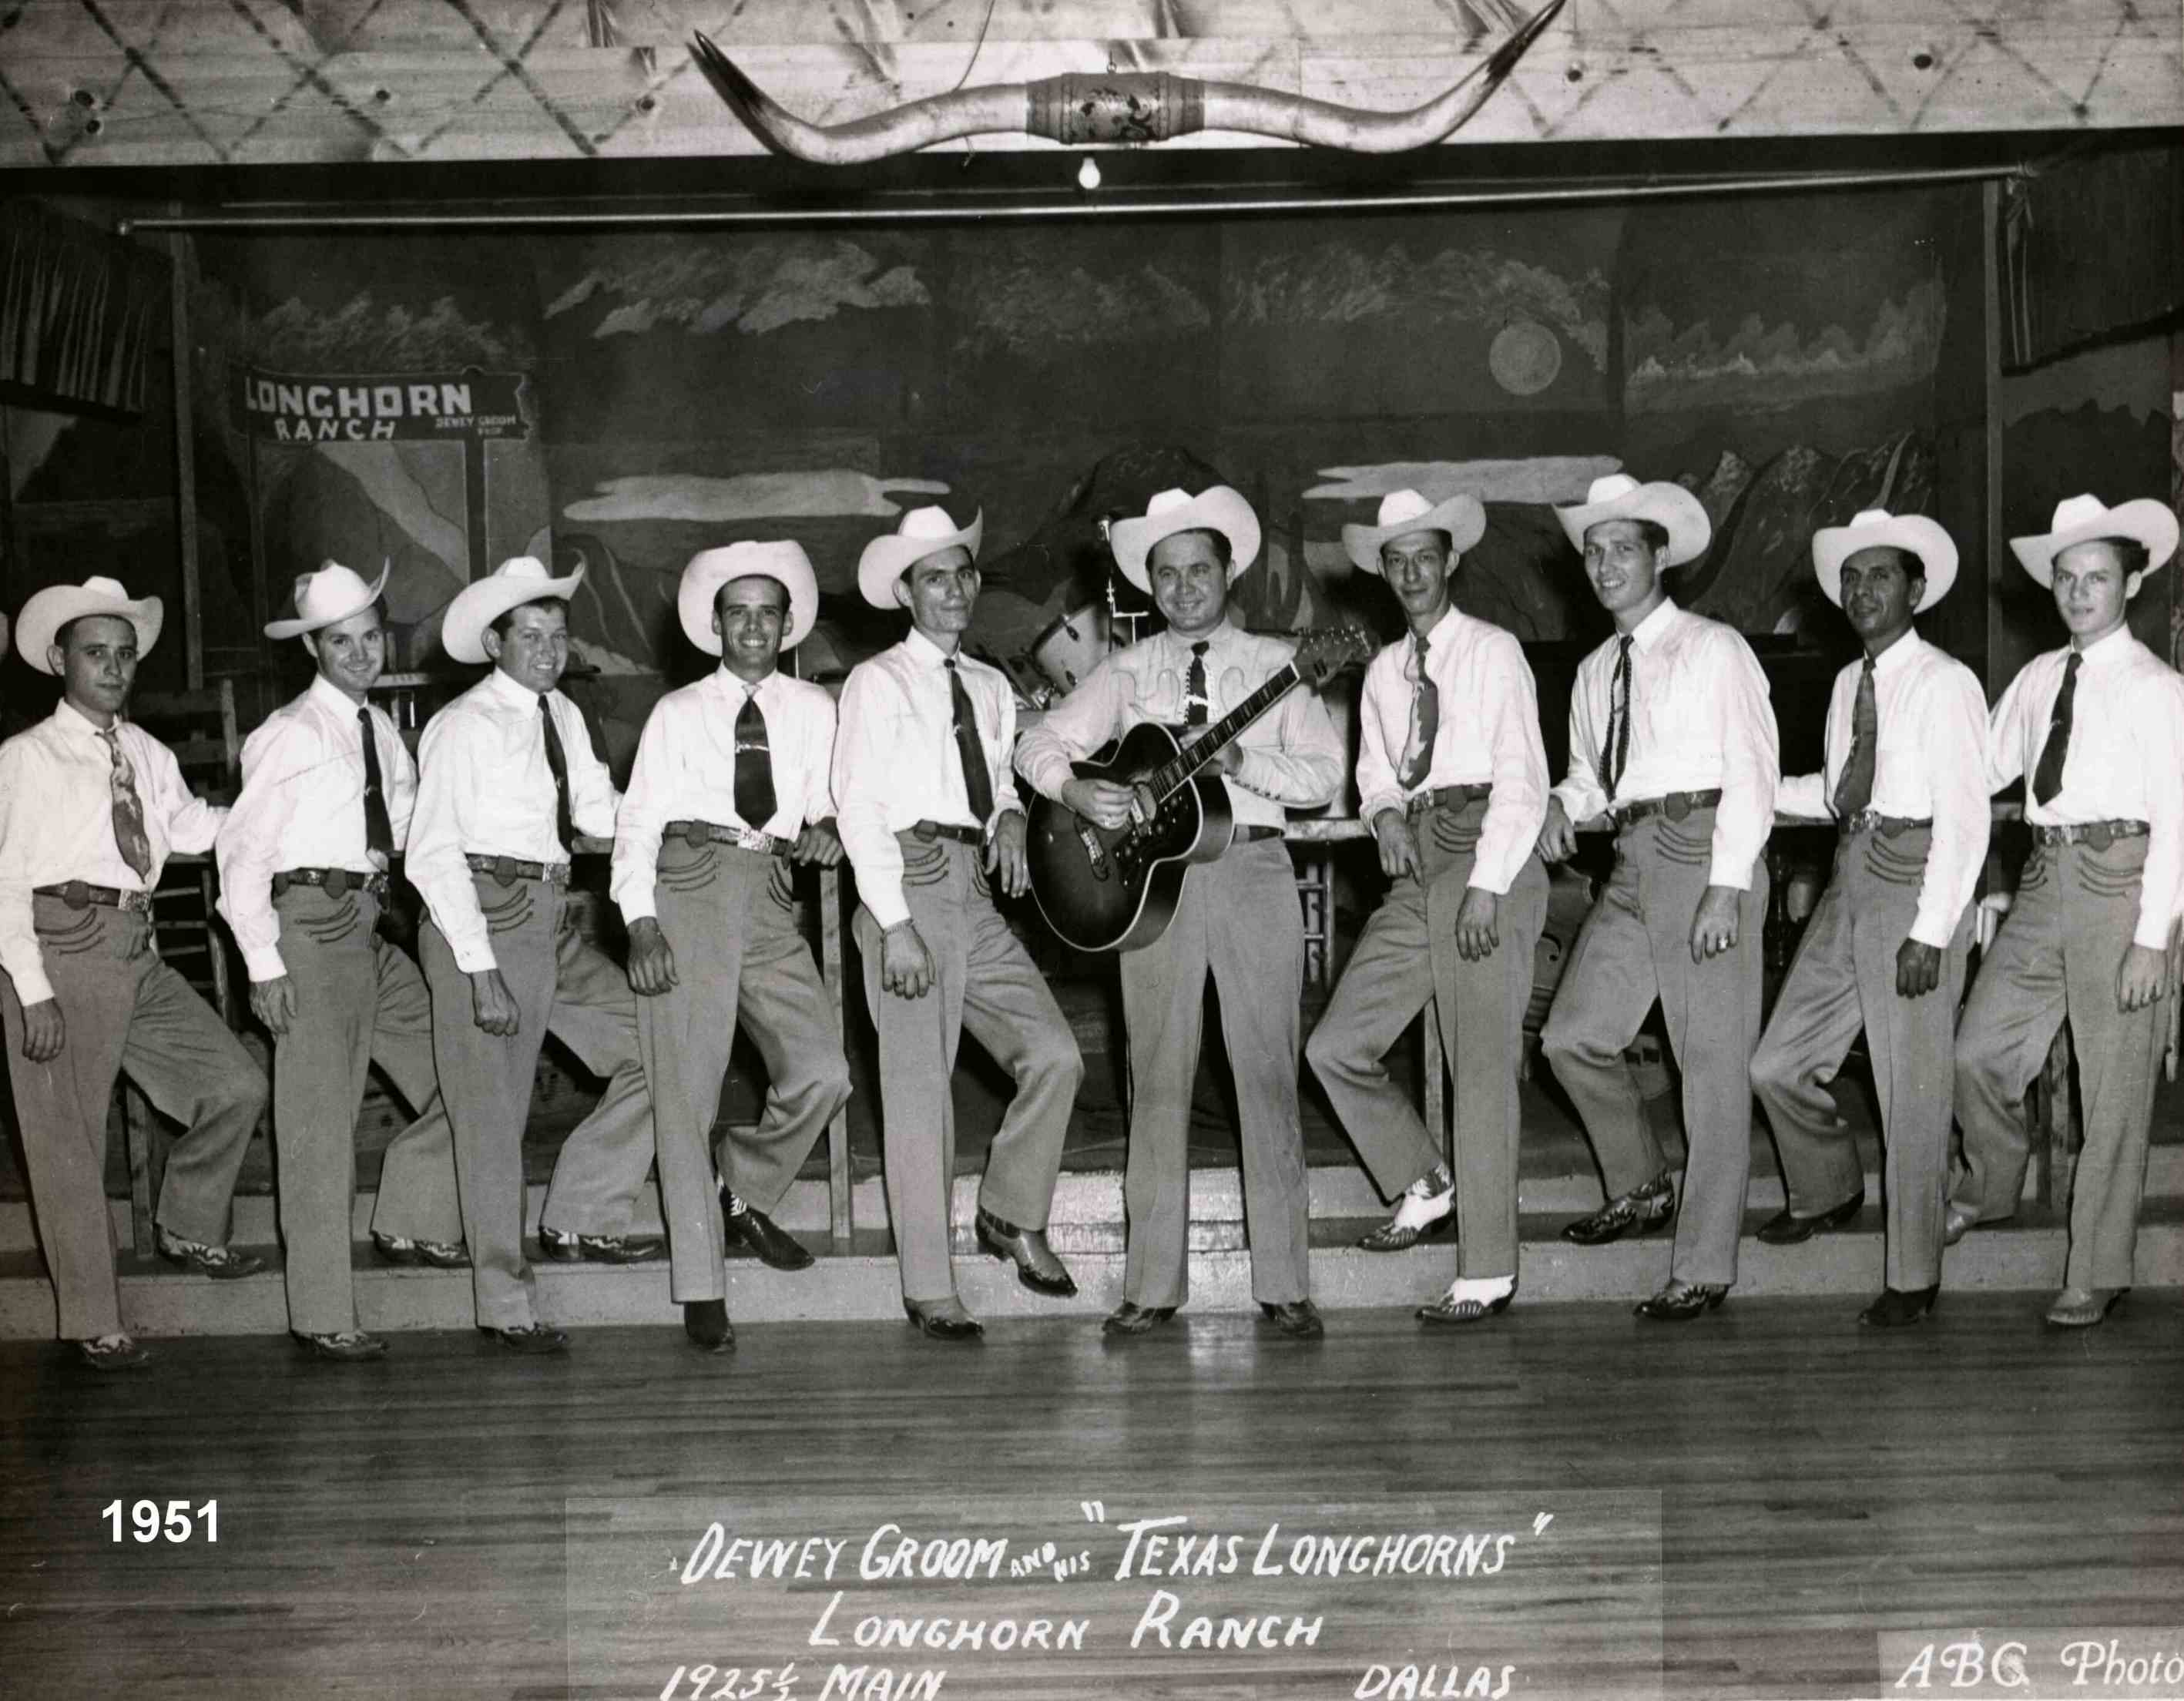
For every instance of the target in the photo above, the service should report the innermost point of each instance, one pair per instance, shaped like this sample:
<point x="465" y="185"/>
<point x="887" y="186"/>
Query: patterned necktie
<point x="1425" y="719"/>
<point x="755" y="800"/>
<point x="378" y="830"/>
<point x="1619" y="719"/>
<point x="129" y="835"/>
<point x="2047" y="778"/>
<point x="977" y="782"/>
<point x="557" y="759"/>
<point x="1854" y="789"/>
<point x="1195" y="707"/>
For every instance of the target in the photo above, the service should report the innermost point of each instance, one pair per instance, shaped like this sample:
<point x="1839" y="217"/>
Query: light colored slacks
<point x="984" y="983"/>
<point x="126" y="1012"/>
<point x="729" y="917"/>
<point x="2056" y="957"/>
<point x="1844" y="979"/>
<point x="1635" y="947"/>
<point x="1405" y="957"/>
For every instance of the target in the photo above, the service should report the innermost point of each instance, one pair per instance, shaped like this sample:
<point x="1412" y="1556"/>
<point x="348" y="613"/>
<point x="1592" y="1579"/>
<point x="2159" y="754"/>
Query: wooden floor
<point x="1734" y="1508"/>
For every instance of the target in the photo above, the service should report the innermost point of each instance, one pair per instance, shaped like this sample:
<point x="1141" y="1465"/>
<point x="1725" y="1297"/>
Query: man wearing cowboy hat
<point x="930" y="816"/>
<point x="91" y="807"/>
<point x="1905" y="778"/>
<point x="1671" y="736"/>
<point x="2096" y="729"/>
<point x="730" y="784"/>
<point x="1238" y="917"/>
<point x="1453" y="778"/>
<point x="327" y="790"/>
<point x="509" y="780"/>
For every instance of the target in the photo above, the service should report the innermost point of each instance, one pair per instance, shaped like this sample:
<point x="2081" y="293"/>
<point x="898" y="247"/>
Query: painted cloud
<point x="748" y="496"/>
<point x="1543" y="478"/>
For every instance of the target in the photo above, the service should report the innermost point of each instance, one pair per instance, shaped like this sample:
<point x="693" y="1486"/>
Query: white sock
<point x="1481" y="1290"/>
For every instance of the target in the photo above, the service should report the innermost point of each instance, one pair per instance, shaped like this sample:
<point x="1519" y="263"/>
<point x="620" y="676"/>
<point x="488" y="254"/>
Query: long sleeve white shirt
<point x="1291" y="756"/>
<point x="1487" y="734"/>
<point x="2126" y="760"/>
<point x="685" y="771"/>
<point x="301" y="806"/>
<point x="484" y="788"/>
<point x="1700" y="718"/>
<point x="895" y="762"/>
<point x="56" y="824"/>
<point x="1929" y="762"/>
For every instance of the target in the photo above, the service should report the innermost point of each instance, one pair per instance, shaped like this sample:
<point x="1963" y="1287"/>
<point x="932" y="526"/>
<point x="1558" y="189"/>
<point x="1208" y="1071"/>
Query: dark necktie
<point x="977" y="781"/>
<point x="755" y="800"/>
<point x="557" y="759"/>
<point x="1619" y="718"/>
<point x="2047" y="778"/>
<point x="1425" y="721"/>
<point x="1195" y="707"/>
<point x="1854" y="789"/>
<point x="129" y="835"/>
<point x="378" y="830"/>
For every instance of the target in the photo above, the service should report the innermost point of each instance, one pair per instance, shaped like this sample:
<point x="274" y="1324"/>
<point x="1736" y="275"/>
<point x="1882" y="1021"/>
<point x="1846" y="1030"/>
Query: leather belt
<point x="78" y="894"/>
<point x="935" y="829"/>
<point x="696" y="835"/>
<point x="1447" y="797"/>
<point x="1251" y="835"/>
<point x="2100" y="835"/>
<point x="508" y="870"/>
<point x="1887" y="826"/>
<point x="334" y="881"/>
<point x="1675" y="805"/>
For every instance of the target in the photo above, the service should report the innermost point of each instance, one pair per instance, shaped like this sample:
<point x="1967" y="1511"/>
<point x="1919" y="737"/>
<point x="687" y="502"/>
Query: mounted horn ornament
<point x="1125" y="108"/>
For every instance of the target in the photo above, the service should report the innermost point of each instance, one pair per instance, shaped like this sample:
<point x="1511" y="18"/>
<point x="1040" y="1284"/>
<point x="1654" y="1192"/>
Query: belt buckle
<point x="2100" y="835"/>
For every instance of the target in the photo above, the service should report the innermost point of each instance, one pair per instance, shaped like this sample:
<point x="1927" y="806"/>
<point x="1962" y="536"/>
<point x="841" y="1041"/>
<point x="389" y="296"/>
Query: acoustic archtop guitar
<point x="1103" y="888"/>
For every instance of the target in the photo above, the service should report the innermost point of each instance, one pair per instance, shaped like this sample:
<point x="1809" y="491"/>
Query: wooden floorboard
<point x="1738" y="1507"/>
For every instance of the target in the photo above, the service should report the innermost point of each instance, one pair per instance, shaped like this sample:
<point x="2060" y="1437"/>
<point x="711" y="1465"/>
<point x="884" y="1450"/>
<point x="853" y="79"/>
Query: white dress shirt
<point x="1699" y="718"/>
<point x="1291" y="756"/>
<point x="1487" y="734"/>
<point x="895" y="762"/>
<point x="484" y="788"/>
<point x="1930" y="763"/>
<point x="685" y="771"/>
<point x="2126" y="760"/>
<point x="301" y="806"/>
<point x="57" y="825"/>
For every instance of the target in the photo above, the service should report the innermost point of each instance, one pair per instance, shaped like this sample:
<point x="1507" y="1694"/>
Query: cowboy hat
<point x="2081" y="519"/>
<point x="710" y="569"/>
<point x="921" y="532"/>
<point x="328" y="597"/>
<point x="1219" y="509"/>
<point x="1620" y="497"/>
<point x="1874" y="529"/>
<point x="514" y="582"/>
<point x="54" y="607"/>
<point x="1404" y="512"/>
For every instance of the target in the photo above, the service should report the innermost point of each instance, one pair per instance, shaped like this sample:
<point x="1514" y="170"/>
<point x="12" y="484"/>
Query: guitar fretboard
<point x="1171" y="776"/>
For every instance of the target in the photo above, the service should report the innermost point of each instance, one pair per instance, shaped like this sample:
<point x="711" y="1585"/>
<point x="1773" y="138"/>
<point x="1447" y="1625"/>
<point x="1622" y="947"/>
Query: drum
<point x="1071" y="647"/>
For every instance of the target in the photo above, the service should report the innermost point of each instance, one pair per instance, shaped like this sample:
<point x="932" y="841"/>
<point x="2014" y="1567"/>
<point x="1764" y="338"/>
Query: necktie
<point x="1195" y="707"/>
<point x="1425" y="721"/>
<point x="977" y="781"/>
<point x="129" y="835"/>
<point x="2047" y="778"/>
<point x="1854" y="789"/>
<point x="1619" y="718"/>
<point x="557" y="759"/>
<point x="378" y="830"/>
<point x="755" y="800"/>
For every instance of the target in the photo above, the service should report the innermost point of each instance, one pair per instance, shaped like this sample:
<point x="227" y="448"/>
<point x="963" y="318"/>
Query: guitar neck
<point x="1172" y="775"/>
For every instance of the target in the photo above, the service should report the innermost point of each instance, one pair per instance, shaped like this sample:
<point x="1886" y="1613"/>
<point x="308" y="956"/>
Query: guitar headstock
<point x="1326" y="650"/>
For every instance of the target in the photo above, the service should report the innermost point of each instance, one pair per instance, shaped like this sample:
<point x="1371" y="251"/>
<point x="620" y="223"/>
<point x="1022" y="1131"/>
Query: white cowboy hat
<point x="2081" y="519"/>
<point x="921" y="532"/>
<point x="520" y="580"/>
<point x="1620" y="497"/>
<point x="55" y="606"/>
<point x="1218" y="508"/>
<point x="1877" y="528"/>
<point x="710" y="569"/>
<point x="1404" y="512"/>
<point x="328" y="597"/>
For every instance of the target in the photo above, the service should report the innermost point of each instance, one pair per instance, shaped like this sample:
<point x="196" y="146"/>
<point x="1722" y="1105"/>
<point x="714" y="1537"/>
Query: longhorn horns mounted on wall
<point x="1129" y="107"/>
